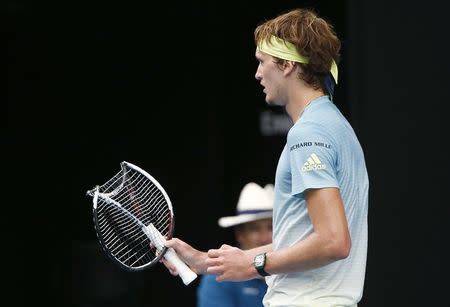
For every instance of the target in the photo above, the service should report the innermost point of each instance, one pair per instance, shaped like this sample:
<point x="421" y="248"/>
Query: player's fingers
<point x="214" y="253"/>
<point x="220" y="278"/>
<point x="178" y="244"/>
<point x="174" y="243"/>
<point x="170" y="267"/>
<point x="173" y="272"/>
<point x="213" y="261"/>
<point x="225" y="246"/>
<point x="215" y="270"/>
<point x="171" y="243"/>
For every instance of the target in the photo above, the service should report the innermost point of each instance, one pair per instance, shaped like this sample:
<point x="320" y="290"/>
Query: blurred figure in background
<point x="252" y="227"/>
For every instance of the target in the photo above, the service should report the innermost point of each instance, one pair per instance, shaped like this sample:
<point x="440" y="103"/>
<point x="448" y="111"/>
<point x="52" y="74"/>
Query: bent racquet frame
<point x="132" y="214"/>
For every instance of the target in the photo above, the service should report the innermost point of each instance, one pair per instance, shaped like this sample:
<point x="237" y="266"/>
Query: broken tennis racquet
<point x="132" y="217"/>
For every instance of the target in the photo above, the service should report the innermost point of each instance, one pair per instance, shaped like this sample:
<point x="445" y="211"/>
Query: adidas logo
<point x="313" y="163"/>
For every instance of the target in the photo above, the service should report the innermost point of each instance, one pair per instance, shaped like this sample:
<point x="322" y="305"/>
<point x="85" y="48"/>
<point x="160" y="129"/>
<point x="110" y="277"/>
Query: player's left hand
<point x="230" y="263"/>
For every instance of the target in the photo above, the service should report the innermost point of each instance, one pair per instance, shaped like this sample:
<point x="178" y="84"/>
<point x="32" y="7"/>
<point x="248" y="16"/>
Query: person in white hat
<point x="252" y="226"/>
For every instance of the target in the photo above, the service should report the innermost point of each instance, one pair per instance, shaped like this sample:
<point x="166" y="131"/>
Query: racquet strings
<point x="139" y="198"/>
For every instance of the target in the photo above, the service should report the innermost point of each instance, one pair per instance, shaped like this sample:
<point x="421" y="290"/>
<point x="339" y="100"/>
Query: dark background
<point x="170" y="87"/>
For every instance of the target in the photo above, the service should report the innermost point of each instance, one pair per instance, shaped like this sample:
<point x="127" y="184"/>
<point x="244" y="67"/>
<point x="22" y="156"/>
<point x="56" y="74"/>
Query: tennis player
<point x="318" y="254"/>
<point x="252" y="227"/>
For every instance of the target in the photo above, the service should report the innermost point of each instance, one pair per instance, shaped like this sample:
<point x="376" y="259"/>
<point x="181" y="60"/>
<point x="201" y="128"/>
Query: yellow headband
<point x="285" y="50"/>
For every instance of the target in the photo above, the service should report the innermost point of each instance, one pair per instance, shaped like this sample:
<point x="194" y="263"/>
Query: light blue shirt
<point x="322" y="150"/>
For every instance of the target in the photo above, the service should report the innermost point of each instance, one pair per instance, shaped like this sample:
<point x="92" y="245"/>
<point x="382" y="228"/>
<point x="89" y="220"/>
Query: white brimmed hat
<point x="254" y="203"/>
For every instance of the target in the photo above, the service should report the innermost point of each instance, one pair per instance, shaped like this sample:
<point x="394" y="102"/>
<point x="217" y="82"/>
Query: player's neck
<point x="300" y="100"/>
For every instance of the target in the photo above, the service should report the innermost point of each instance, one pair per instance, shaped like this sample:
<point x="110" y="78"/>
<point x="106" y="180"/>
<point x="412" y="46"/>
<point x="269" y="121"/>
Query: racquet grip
<point x="186" y="274"/>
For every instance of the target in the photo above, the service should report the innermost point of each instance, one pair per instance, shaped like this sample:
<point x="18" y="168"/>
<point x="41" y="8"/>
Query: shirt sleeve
<point x="313" y="158"/>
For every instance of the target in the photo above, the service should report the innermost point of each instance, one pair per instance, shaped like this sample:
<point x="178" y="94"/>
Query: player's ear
<point x="289" y="67"/>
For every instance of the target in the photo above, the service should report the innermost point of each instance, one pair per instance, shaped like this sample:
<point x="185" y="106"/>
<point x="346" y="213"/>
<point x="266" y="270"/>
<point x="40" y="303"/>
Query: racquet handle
<point x="186" y="274"/>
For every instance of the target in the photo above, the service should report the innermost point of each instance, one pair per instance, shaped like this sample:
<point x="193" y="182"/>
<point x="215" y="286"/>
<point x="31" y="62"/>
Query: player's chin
<point x="270" y="101"/>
